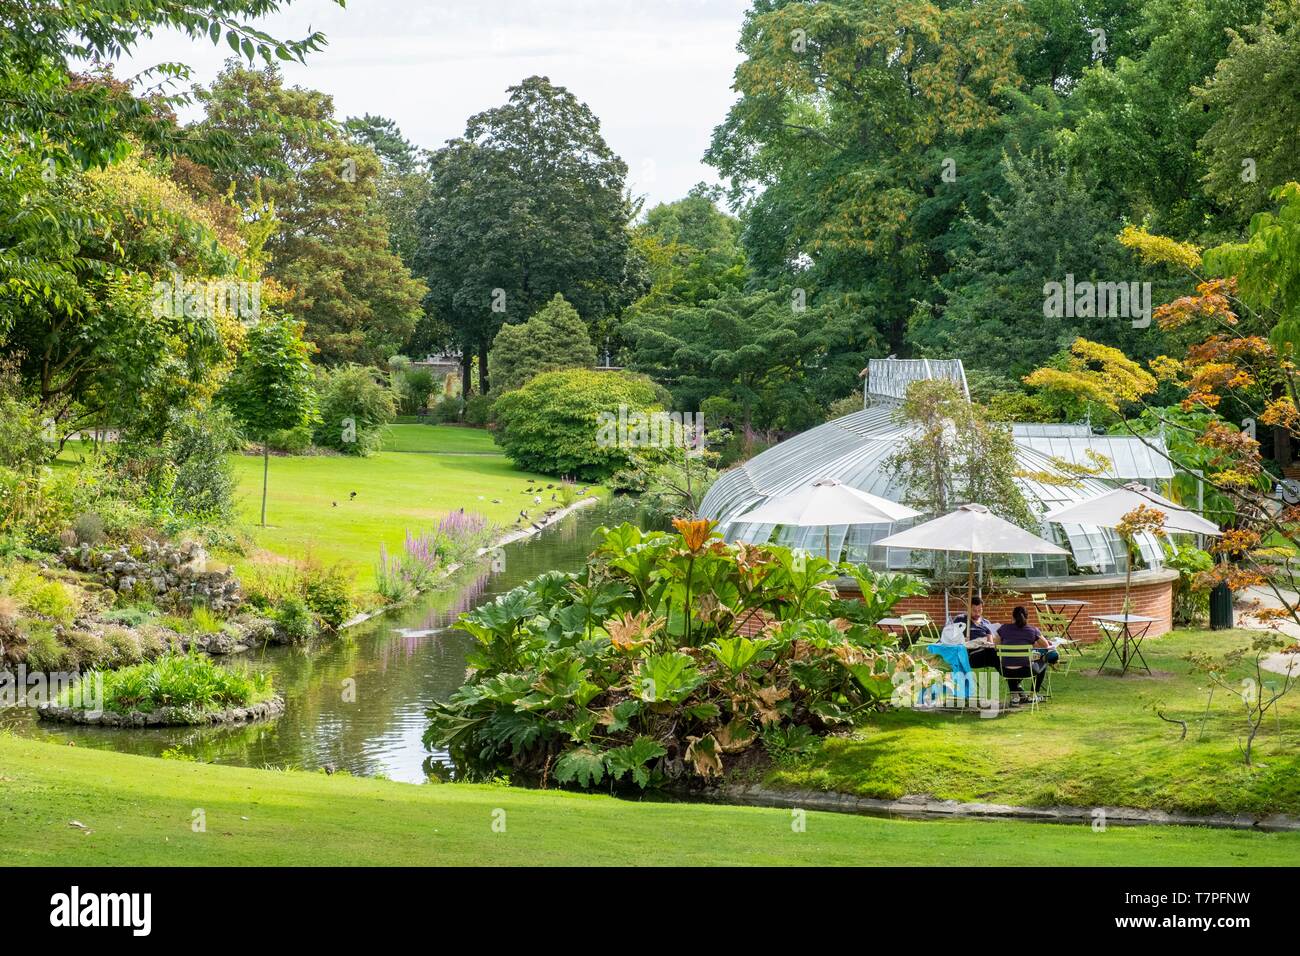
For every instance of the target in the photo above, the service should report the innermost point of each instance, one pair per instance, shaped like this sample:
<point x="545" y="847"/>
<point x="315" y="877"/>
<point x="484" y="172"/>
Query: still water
<point x="357" y="703"/>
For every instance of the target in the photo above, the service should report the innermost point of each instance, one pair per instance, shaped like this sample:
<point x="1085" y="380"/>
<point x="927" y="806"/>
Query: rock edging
<point x="921" y="806"/>
<point x="163" y="717"/>
<point x="501" y="542"/>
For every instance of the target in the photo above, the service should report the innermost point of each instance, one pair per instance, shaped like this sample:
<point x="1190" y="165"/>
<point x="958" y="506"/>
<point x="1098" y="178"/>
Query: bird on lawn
<point x="334" y="504"/>
<point x="552" y="497"/>
<point x="351" y="495"/>
<point x="550" y="486"/>
<point x="495" y="501"/>
<point x="537" y="499"/>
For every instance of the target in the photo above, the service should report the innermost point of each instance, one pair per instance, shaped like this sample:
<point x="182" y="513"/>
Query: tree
<point x="957" y="456"/>
<point x="777" y="359"/>
<point x="271" y="387"/>
<point x="1048" y="226"/>
<point x="1136" y="121"/>
<point x="402" y="185"/>
<point x="354" y="410"/>
<point x="357" y="299"/>
<point x="692" y="251"/>
<point x="554" y="338"/>
<point x="528" y="203"/>
<point x="1231" y="363"/>
<point x="1253" y="144"/>
<point x="845" y="114"/>
<point x="576" y="422"/>
<point x="125" y="297"/>
<point x="76" y="121"/>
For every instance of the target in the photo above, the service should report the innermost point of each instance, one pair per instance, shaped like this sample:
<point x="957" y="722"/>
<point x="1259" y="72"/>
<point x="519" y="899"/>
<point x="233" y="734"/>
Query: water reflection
<point x="357" y="703"/>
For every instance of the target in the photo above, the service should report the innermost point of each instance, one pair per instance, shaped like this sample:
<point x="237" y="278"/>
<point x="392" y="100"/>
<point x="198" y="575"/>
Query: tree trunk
<point x="266" y="468"/>
<point x="466" y="361"/>
<point x="1128" y="573"/>
<point x="1281" y="447"/>
<point x="483" y="386"/>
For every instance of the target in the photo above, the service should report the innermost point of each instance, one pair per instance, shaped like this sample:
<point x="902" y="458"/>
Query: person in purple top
<point x="1021" y="633"/>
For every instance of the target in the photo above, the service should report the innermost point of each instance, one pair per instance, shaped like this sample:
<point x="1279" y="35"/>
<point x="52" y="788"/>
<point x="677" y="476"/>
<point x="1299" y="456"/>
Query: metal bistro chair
<point x="1053" y="627"/>
<point x="917" y="623"/>
<point x="1015" y="658"/>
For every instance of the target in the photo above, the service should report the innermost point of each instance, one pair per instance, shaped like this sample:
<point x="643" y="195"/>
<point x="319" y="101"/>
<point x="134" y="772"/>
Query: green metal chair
<point x="1053" y="627"/>
<point x="1018" y="657"/>
<point x="919" y="628"/>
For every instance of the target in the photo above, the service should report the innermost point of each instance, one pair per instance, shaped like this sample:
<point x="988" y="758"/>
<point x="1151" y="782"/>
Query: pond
<point x="357" y="703"/>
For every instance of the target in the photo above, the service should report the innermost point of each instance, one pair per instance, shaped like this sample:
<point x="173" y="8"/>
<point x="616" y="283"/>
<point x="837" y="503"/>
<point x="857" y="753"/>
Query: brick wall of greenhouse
<point x="1151" y="595"/>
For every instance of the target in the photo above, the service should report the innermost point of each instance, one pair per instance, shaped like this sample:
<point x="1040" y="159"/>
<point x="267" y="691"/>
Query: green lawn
<point x="139" y="811"/>
<point x="310" y="507"/>
<point x="1098" y="742"/>
<point x="446" y="439"/>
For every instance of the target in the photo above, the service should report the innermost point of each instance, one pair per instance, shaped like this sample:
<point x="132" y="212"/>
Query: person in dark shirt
<point x="1020" y="633"/>
<point x="979" y="626"/>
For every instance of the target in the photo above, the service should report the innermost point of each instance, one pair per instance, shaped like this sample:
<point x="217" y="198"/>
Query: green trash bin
<point x="1220" y="607"/>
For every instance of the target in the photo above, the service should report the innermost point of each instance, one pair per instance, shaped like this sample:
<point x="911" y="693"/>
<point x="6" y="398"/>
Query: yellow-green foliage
<point x="36" y="594"/>
<point x="44" y="652"/>
<point x="55" y="600"/>
<point x="204" y="621"/>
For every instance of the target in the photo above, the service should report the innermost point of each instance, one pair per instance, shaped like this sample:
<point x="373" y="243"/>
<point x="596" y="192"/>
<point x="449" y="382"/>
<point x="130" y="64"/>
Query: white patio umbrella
<point x="824" y="503"/>
<point x="971" y="529"/>
<point x="1108" y="510"/>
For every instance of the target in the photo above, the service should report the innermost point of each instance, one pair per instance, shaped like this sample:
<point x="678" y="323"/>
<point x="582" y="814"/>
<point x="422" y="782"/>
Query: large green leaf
<point x="737" y="653"/>
<point x="633" y="758"/>
<point x="582" y="766"/>
<point x="667" y="678"/>
<point x="621" y="715"/>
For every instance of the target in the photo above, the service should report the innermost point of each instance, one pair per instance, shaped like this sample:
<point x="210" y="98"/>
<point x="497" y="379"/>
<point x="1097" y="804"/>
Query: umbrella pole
<point x="828" y="542"/>
<point x="970" y="591"/>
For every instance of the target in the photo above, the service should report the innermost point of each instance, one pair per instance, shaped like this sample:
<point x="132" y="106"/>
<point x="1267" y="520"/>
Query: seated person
<point x="1021" y="633"/>
<point x="980" y="627"/>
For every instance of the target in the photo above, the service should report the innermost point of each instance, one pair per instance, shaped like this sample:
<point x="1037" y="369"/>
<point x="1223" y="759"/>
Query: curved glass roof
<point x="854" y="449"/>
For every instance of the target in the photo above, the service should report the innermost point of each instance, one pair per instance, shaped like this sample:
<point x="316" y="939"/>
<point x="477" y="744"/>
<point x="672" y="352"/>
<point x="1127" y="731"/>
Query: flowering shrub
<point x="664" y="656"/>
<point x="457" y="539"/>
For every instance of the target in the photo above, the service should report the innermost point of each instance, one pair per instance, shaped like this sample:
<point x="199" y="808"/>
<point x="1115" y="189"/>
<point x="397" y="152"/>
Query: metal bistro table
<point x="1062" y="607"/>
<point x="910" y="630"/>
<point x="1128" y="635"/>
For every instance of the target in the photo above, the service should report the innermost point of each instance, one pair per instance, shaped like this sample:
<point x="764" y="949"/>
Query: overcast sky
<point x="657" y="73"/>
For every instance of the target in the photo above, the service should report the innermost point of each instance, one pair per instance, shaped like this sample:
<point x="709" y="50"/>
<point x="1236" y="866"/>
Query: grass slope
<point x="440" y="439"/>
<point x="139" y="812"/>
<point x="1098" y="742"/>
<point x="310" y="508"/>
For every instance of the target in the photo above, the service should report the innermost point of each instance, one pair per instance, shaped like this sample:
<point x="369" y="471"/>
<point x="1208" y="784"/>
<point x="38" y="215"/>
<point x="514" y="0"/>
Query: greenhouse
<point x="856" y="450"/>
